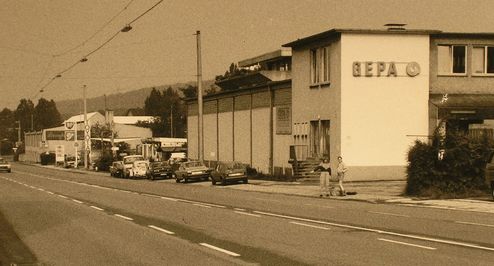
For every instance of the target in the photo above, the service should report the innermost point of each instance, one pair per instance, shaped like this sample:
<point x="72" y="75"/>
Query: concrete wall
<point x="192" y="137"/>
<point x="380" y="114"/>
<point x="469" y="83"/>
<point x="210" y="137"/>
<point x="260" y="139"/>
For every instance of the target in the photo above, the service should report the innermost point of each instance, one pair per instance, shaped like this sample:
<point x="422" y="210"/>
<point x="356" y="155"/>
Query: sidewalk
<point x="386" y="192"/>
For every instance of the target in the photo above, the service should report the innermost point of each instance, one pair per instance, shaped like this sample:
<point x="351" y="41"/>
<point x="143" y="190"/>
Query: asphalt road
<point x="63" y="218"/>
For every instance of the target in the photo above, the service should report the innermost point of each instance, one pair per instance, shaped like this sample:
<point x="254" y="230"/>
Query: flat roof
<point x="283" y="52"/>
<point x="337" y="32"/>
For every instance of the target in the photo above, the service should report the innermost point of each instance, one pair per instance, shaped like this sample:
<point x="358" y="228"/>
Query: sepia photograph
<point x="234" y="132"/>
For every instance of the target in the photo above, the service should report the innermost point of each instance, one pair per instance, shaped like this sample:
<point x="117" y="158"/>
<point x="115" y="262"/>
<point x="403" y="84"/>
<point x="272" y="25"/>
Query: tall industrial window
<point x="319" y="65"/>
<point x="452" y="59"/>
<point x="483" y="60"/>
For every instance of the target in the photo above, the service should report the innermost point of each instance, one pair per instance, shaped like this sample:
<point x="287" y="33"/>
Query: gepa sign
<point x="385" y="69"/>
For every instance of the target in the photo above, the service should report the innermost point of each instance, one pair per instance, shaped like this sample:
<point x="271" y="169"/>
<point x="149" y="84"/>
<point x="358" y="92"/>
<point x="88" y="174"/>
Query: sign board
<point x="69" y="125"/>
<point x="60" y="153"/>
<point x="114" y="148"/>
<point x="283" y="120"/>
<point x="69" y="135"/>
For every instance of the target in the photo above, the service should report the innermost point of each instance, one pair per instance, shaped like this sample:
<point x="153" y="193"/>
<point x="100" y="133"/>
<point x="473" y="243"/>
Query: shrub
<point x="460" y="173"/>
<point x="104" y="161"/>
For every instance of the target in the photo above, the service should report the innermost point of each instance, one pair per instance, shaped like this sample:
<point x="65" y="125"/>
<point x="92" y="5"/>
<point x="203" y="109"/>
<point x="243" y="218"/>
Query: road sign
<point x="76" y="144"/>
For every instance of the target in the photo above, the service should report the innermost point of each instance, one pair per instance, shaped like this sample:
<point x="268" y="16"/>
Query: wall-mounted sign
<point x="383" y="69"/>
<point x="283" y="120"/>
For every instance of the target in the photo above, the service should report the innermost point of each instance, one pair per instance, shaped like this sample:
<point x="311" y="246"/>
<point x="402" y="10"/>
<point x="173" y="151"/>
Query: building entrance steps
<point x="302" y="169"/>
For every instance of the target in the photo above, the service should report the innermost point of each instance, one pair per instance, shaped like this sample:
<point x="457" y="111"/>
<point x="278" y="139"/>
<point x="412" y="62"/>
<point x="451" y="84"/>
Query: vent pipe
<point x="395" y="26"/>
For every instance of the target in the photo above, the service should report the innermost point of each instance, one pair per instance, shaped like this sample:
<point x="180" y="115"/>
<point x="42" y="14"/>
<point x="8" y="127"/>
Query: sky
<point x="41" y="38"/>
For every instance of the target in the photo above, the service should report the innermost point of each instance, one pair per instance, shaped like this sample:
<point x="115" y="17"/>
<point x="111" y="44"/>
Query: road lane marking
<point x="78" y="201"/>
<point x="49" y="192"/>
<point x="97" y="208"/>
<point x="124" y="217"/>
<point x="62" y="196"/>
<point x="309" y="225"/>
<point x="406" y="244"/>
<point x="488" y="225"/>
<point x="238" y="209"/>
<point x="430" y="239"/>
<point x="167" y="198"/>
<point x="390" y="214"/>
<point x="161" y="229"/>
<point x="246" y="213"/>
<point x="220" y="249"/>
<point x="201" y="205"/>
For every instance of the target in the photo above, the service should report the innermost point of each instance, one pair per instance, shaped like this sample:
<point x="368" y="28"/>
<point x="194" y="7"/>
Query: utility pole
<point x="32" y="122"/>
<point x="86" y="128"/>
<point x="18" y="133"/>
<point x="171" y="120"/>
<point x="199" y="98"/>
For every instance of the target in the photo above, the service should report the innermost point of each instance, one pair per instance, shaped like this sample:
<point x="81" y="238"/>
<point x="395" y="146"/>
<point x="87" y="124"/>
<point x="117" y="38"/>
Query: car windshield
<point x="141" y="164"/>
<point x="230" y="166"/>
<point x="133" y="159"/>
<point x="193" y="164"/>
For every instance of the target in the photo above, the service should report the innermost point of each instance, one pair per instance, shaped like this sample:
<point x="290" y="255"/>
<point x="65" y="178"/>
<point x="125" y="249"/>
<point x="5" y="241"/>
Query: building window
<point x="452" y="59"/>
<point x="483" y="60"/>
<point x="319" y="65"/>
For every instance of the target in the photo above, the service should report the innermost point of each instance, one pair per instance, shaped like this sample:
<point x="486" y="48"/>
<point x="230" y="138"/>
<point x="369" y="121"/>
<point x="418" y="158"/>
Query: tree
<point x="189" y="91"/>
<point x="46" y="115"/>
<point x="153" y="103"/>
<point x="8" y="134"/>
<point x="24" y="113"/>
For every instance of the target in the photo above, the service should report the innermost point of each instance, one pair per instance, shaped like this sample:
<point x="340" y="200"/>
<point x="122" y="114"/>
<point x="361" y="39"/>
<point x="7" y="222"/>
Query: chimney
<point x="395" y="26"/>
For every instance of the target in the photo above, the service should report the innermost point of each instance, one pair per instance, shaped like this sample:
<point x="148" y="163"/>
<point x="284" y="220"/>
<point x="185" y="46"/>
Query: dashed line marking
<point x="161" y="229"/>
<point x="239" y="209"/>
<point x="49" y="192"/>
<point x="124" y="217"/>
<point x="201" y="205"/>
<point x="62" y="196"/>
<point x="78" y="201"/>
<point x="97" y="208"/>
<point x="470" y="223"/>
<point x="167" y="198"/>
<point x="406" y="244"/>
<point x="390" y="214"/>
<point x="220" y="249"/>
<point x="310" y="225"/>
<point x="246" y="213"/>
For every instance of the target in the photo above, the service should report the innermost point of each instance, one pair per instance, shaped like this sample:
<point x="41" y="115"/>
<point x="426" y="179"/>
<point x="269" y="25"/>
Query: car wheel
<point x="213" y="181"/>
<point x="10" y="171"/>
<point x="246" y="181"/>
<point x="186" y="180"/>
<point x="223" y="181"/>
<point x="176" y="178"/>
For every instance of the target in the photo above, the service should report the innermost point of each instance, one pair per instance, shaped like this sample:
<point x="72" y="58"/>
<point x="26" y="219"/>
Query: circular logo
<point x="413" y="69"/>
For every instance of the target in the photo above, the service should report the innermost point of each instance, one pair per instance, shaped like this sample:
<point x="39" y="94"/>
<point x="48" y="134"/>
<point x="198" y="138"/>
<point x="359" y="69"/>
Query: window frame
<point x="320" y="70"/>
<point x="485" y="51"/>
<point x="451" y="58"/>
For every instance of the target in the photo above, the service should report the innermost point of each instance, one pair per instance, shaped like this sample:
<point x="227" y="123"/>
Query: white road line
<point x="462" y="244"/>
<point x="238" y="209"/>
<point x="49" y="192"/>
<point x="201" y="205"/>
<point x="390" y="214"/>
<point x="62" y="196"/>
<point x="214" y="205"/>
<point x="407" y="244"/>
<point x="488" y="225"/>
<point x="167" y="198"/>
<point x="78" y="201"/>
<point x="40" y="189"/>
<point x="309" y="225"/>
<point x="124" y="217"/>
<point x="97" y="208"/>
<point x="220" y="249"/>
<point x="161" y="229"/>
<point x="246" y="213"/>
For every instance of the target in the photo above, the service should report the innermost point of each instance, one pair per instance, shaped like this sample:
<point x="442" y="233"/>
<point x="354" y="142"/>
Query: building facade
<point x="365" y="95"/>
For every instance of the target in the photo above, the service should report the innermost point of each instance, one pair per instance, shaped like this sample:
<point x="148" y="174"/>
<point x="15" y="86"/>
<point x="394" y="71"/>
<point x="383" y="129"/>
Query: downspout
<point x="270" y="130"/>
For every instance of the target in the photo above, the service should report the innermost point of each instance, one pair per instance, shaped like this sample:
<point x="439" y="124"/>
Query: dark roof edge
<point x="224" y="93"/>
<point x="484" y="34"/>
<point x="335" y="32"/>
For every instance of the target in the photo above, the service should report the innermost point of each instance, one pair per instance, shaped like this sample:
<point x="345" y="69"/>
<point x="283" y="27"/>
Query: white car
<point x="129" y="165"/>
<point x="5" y="166"/>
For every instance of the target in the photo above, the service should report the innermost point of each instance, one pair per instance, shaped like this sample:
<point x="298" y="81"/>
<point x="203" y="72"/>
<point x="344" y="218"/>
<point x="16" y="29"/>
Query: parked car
<point x="229" y="171"/>
<point x="159" y="169"/>
<point x="128" y="163"/>
<point x="116" y="168"/>
<point x="69" y="161"/>
<point x="140" y="169"/>
<point x="191" y="170"/>
<point x="5" y="166"/>
<point x="489" y="174"/>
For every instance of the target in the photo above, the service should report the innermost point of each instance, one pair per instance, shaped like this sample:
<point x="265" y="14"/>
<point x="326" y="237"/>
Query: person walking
<point x="341" y="170"/>
<point x="325" y="168"/>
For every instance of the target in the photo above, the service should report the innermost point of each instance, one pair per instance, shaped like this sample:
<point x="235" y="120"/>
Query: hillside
<point x="120" y="102"/>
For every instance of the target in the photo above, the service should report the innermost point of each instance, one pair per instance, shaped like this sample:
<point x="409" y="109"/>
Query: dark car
<point x="159" y="169"/>
<point x="116" y="168"/>
<point x="191" y="170"/>
<point x="229" y="171"/>
<point x="4" y="165"/>
<point x="489" y="174"/>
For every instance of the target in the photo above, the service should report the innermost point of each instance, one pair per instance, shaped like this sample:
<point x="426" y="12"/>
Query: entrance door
<point x="319" y="138"/>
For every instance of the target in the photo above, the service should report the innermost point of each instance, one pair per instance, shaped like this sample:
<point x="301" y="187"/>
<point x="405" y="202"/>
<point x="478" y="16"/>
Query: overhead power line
<point x="97" y="31"/>
<point x="126" y="28"/>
